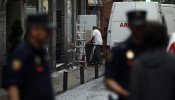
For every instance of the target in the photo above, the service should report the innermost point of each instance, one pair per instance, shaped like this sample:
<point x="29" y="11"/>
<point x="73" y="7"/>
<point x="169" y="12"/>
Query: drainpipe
<point x="52" y="46"/>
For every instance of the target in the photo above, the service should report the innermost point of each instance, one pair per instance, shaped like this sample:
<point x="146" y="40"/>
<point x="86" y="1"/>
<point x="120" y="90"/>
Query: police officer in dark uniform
<point x="27" y="75"/>
<point x="153" y="72"/>
<point x="120" y="60"/>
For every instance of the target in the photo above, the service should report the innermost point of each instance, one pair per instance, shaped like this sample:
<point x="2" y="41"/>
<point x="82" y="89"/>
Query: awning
<point x="95" y="3"/>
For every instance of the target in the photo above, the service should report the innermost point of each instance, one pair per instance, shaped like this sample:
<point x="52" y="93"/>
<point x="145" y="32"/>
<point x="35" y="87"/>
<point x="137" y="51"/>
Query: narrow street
<point x="90" y="87"/>
<point x="87" y="49"/>
<point x="94" y="90"/>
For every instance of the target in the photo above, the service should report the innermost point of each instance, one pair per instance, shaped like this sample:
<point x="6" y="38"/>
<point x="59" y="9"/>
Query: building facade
<point x="2" y="36"/>
<point x="62" y="12"/>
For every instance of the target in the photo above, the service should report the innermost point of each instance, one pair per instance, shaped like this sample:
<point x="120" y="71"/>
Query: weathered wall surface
<point x="2" y="37"/>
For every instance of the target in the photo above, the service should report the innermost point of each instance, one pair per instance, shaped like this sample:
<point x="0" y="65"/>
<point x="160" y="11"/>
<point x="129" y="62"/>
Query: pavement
<point x="73" y="80"/>
<point x="3" y="95"/>
<point x="93" y="90"/>
<point x="74" y="77"/>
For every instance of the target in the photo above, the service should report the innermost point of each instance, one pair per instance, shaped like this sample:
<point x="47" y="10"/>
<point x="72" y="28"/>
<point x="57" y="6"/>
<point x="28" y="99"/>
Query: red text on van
<point x="124" y="24"/>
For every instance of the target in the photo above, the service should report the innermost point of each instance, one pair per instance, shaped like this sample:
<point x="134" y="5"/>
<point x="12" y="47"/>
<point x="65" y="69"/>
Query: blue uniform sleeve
<point x="14" y="71"/>
<point x="113" y="64"/>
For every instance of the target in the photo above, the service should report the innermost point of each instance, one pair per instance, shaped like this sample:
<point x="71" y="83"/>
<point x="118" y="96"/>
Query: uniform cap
<point x="40" y="19"/>
<point x="137" y="17"/>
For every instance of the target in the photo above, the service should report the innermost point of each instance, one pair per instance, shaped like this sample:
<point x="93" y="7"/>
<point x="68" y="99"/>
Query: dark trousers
<point x="97" y="54"/>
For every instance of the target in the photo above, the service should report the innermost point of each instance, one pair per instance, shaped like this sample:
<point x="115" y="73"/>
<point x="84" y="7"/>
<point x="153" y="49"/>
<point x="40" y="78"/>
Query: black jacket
<point x="153" y="77"/>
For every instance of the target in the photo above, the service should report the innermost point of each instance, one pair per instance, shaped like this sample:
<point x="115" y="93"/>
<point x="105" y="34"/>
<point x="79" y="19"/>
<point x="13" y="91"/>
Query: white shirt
<point x="97" y="37"/>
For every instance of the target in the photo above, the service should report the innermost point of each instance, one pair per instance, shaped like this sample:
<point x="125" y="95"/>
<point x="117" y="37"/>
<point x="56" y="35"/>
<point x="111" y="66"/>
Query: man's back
<point x="97" y="37"/>
<point x="153" y="77"/>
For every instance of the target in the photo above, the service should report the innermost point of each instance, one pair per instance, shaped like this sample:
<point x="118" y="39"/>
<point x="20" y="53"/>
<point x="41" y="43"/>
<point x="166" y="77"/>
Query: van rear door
<point x="118" y="26"/>
<point x="152" y="8"/>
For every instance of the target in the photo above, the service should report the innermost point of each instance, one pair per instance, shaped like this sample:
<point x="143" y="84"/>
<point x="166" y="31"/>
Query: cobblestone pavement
<point x="94" y="90"/>
<point x="3" y="95"/>
<point x="73" y="79"/>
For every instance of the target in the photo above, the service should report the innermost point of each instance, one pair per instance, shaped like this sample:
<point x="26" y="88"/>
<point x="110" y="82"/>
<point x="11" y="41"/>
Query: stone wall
<point x="2" y="38"/>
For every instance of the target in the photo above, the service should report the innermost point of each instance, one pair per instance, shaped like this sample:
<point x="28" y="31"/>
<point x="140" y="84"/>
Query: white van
<point x="168" y="10"/>
<point x="118" y="26"/>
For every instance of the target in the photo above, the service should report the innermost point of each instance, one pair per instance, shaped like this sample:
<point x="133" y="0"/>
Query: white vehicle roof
<point x="121" y="8"/>
<point x="117" y="34"/>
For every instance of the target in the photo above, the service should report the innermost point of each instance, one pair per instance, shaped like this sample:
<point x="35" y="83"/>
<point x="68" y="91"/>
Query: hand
<point x="13" y="92"/>
<point x="124" y="94"/>
<point x="116" y="88"/>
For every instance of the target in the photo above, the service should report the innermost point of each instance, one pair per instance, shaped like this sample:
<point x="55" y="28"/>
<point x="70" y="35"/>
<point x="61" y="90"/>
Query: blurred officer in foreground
<point x="120" y="60"/>
<point x="153" y="74"/>
<point x="27" y="75"/>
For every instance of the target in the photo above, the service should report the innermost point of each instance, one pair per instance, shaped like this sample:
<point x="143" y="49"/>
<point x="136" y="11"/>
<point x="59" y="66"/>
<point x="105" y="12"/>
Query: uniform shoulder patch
<point x="16" y="64"/>
<point x="130" y="54"/>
